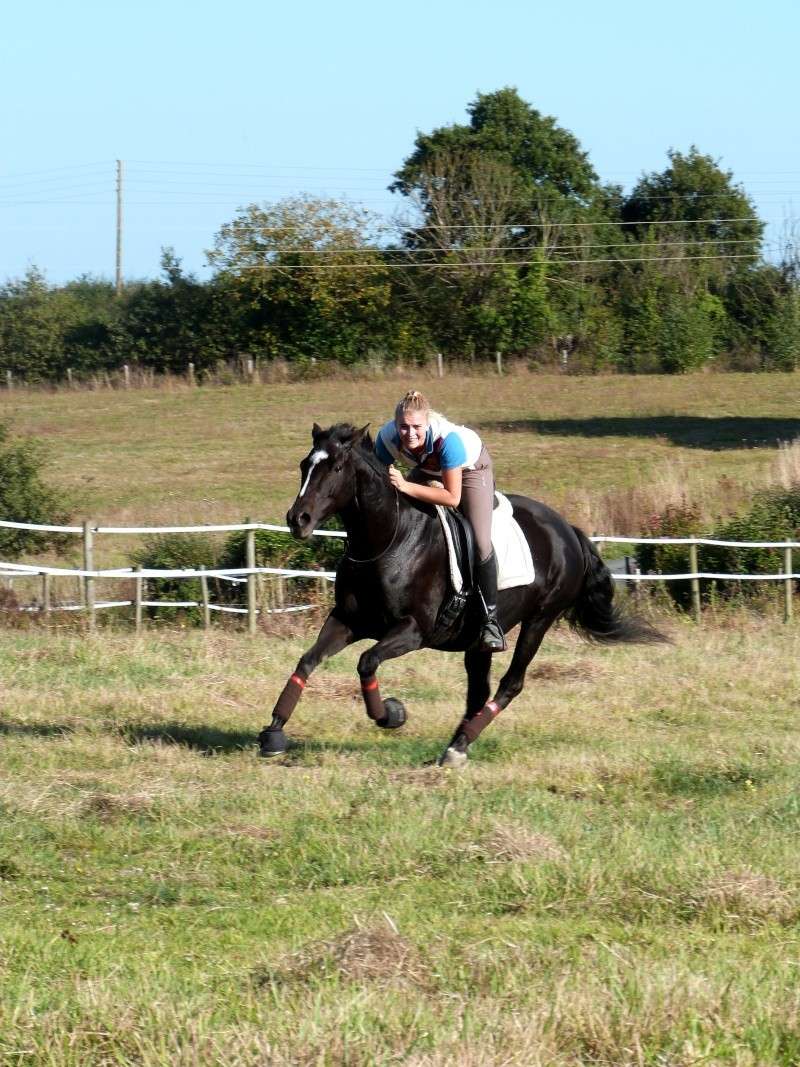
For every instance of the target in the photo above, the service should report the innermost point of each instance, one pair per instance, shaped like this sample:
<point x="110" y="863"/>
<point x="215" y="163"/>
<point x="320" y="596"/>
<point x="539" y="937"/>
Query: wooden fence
<point x="251" y="575"/>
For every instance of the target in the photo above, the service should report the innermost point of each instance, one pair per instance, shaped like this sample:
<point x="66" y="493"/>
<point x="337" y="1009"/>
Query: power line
<point x="488" y="263"/>
<point x="372" y="250"/>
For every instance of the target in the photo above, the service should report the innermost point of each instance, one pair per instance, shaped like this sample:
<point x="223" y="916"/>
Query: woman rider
<point x="435" y="448"/>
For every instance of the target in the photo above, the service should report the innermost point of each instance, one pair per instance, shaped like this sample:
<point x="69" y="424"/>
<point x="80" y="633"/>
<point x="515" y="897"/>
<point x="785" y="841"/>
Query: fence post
<point x="439" y="365"/>
<point x="788" y="587"/>
<point x="137" y="600"/>
<point x="499" y="358"/>
<point x="88" y="565"/>
<point x="69" y="377"/>
<point x="251" y="581"/>
<point x="45" y="592"/>
<point x="204" y="594"/>
<point x="693" y="567"/>
<point x="190" y="374"/>
<point x="126" y="373"/>
<point x="9" y="380"/>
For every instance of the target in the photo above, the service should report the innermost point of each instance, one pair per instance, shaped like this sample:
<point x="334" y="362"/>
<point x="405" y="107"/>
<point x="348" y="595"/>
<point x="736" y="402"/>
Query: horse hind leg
<point x="477" y="719"/>
<point x="478" y="664"/>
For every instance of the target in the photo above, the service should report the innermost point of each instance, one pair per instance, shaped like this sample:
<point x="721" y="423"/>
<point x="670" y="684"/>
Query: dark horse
<point x="393" y="580"/>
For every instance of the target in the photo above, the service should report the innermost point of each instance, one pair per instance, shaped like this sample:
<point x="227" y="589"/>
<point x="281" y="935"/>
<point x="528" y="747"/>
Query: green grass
<point x="613" y="879"/>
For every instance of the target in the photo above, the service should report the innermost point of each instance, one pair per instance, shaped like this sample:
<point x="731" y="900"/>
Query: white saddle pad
<point x="513" y="553"/>
<point x="511" y="549"/>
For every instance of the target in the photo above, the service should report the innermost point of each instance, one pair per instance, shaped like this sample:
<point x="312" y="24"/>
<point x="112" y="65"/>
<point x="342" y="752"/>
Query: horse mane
<point x="342" y="434"/>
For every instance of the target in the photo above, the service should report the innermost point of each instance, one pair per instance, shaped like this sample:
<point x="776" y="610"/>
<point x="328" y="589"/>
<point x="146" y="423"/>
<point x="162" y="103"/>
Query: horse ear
<point x="359" y="435"/>
<point x="316" y="430"/>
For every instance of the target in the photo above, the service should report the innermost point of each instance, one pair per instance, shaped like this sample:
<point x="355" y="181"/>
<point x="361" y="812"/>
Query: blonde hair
<point x="412" y="401"/>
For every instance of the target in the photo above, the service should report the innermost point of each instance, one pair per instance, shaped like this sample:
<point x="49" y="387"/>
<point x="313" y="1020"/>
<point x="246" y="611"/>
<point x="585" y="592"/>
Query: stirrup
<point x="491" y="638"/>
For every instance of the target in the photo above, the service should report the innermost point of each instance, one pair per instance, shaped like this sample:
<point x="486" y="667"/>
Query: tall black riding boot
<point x="491" y="638"/>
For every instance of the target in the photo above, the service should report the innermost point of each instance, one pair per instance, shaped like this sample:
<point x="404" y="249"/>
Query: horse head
<point x="327" y="477"/>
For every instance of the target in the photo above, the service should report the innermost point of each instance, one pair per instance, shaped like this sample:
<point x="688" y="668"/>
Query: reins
<point x="372" y="559"/>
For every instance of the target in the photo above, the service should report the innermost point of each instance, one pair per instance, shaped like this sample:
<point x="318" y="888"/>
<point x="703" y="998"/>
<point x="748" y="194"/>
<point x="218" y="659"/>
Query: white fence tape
<point x="239" y="574"/>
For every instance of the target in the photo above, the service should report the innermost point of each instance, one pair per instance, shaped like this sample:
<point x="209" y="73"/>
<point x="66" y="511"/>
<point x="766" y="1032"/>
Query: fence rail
<point x="249" y="575"/>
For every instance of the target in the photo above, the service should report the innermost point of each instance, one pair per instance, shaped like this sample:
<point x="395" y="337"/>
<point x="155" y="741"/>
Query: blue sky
<point x="213" y="105"/>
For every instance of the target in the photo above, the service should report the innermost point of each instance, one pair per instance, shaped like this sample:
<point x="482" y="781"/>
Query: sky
<point x="213" y="106"/>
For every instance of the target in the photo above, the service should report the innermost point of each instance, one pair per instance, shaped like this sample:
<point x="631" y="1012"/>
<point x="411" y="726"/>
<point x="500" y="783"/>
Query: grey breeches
<point x="477" y="499"/>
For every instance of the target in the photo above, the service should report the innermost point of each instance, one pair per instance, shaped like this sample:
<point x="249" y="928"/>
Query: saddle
<point x="461" y="557"/>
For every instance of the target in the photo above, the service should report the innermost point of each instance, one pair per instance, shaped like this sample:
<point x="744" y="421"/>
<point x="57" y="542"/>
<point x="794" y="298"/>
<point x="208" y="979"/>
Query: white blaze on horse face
<point x="313" y="460"/>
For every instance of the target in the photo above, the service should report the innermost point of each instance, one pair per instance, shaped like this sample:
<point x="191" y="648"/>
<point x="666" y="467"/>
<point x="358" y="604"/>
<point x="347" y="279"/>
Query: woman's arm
<point x="450" y="495"/>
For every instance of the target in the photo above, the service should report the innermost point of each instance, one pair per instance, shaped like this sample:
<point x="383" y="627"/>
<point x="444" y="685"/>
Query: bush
<point x="773" y="516"/>
<point x="193" y="551"/>
<point x="275" y="549"/>
<point x="179" y="552"/>
<point x="24" y="497"/>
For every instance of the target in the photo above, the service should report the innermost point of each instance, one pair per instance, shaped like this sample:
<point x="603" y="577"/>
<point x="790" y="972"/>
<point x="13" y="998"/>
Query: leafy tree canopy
<point x="545" y="158"/>
<point x="694" y="189"/>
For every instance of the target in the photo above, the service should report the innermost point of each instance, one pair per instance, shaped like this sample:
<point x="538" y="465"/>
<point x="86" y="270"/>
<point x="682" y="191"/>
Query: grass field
<point x="613" y="880"/>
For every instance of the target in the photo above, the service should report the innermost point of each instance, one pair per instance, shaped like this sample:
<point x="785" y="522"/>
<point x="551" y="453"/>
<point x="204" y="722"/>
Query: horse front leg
<point x="404" y="637"/>
<point x="479" y="715"/>
<point x="332" y="638"/>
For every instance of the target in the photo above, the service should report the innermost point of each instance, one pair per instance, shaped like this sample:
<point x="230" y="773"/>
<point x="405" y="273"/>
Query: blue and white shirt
<point x="446" y="446"/>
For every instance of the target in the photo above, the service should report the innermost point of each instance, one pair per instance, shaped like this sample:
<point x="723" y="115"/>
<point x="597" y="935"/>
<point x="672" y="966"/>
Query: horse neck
<point x="372" y="515"/>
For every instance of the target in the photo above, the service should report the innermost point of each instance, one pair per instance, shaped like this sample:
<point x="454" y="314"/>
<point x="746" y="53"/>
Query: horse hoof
<point x="395" y="714"/>
<point x="453" y="758"/>
<point x="272" y="743"/>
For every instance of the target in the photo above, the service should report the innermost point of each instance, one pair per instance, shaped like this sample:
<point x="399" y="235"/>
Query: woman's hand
<point x="446" y="492"/>
<point x="397" y="479"/>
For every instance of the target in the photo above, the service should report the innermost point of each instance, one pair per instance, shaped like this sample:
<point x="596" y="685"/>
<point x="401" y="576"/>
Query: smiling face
<point x="412" y="427"/>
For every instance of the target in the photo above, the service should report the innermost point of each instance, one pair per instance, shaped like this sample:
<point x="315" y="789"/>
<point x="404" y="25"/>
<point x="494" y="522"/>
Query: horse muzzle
<point x="299" y="522"/>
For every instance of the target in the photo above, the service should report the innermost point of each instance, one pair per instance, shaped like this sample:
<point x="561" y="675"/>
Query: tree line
<point x="508" y="241"/>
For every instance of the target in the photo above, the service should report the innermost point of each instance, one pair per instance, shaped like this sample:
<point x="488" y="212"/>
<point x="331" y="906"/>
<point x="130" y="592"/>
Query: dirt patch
<point x="375" y="953"/>
<point x="431" y="777"/>
<point x="573" y="672"/>
<point x="110" y="806"/>
<point x="335" y="687"/>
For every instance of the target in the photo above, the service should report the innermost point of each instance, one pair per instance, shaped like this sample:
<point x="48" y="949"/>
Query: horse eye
<point x="337" y="470"/>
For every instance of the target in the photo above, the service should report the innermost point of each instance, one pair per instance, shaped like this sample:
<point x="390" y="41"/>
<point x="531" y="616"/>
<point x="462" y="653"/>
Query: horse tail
<point x="594" y="614"/>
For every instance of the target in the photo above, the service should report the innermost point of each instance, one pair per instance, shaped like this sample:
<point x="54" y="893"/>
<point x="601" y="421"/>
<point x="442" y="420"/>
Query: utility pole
<point x="119" y="227"/>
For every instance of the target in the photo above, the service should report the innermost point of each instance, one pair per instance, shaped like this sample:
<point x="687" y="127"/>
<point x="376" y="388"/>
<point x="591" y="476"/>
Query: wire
<point x="487" y="263"/>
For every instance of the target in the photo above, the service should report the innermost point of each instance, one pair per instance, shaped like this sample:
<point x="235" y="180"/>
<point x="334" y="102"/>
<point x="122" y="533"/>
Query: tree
<point x="33" y="320"/>
<point x="25" y="497"/>
<point x="308" y="277"/>
<point x="175" y="320"/>
<point x="496" y="202"/>
<point x="693" y="208"/>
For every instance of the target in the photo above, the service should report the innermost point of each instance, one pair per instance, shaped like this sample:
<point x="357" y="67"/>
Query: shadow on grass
<point x="206" y="739"/>
<point x="211" y="741"/>
<point x="11" y="727"/>
<point x="714" y="434"/>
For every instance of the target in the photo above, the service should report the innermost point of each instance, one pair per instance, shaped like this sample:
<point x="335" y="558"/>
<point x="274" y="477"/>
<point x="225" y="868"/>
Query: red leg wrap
<point x="372" y="698"/>
<point x="471" y="728"/>
<point x="292" y="692"/>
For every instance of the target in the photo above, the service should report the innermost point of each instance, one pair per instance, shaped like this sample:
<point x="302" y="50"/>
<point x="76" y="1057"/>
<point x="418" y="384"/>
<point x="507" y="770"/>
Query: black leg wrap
<point x="395" y="715"/>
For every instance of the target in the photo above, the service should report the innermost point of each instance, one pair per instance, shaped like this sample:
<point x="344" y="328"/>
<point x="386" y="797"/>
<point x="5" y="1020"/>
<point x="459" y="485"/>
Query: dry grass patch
<point x="374" y="953"/>
<point x="110" y="806"/>
<point x="748" y="894"/>
<point x="513" y="842"/>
